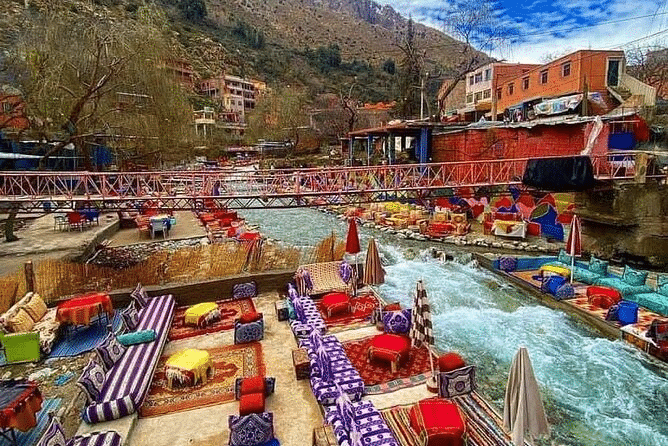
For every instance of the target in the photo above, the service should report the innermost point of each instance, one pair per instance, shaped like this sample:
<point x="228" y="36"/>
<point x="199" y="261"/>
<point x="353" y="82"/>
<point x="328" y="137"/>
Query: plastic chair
<point x="159" y="225"/>
<point x="75" y="220"/>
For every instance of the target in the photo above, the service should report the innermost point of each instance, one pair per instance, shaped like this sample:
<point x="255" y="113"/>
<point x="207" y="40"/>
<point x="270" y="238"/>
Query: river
<point x="596" y="391"/>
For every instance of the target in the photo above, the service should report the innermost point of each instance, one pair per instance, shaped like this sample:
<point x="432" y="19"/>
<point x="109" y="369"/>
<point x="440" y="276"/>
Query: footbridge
<point x="244" y="189"/>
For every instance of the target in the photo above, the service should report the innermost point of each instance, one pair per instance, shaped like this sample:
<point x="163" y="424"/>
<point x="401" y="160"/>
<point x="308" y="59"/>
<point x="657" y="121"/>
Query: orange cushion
<point x="250" y="317"/>
<point x="251" y="403"/>
<point x="252" y="385"/>
<point x="450" y="361"/>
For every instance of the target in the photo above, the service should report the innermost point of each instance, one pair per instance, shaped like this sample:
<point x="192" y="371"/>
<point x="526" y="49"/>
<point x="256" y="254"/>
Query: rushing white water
<point x="596" y="391"/>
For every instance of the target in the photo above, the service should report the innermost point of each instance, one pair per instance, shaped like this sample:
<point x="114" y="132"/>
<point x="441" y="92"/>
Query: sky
<point x="547" y="28"/>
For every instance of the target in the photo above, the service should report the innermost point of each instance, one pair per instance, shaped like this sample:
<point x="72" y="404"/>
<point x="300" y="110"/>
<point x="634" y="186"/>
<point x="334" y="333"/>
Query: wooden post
<point x="30" y="276"/>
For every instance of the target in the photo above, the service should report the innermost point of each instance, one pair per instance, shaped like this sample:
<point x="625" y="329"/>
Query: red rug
<point x="229" y="310"/>
<point x="378" y="372"/>
<point x="229" y="362"/>
<point x="362" y="306"/>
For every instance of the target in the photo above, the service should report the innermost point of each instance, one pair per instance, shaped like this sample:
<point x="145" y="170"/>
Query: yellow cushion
<point x="193" y="313"/>
<point x="21" y="322"/>
<point x="36" y="308"/>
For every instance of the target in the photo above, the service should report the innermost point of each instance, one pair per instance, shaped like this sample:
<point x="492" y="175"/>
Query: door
<point x="613" y="72"/>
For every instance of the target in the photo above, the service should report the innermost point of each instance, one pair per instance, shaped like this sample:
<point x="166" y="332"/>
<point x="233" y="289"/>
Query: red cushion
<point x="252" y="385"/>
<point x="390" y="347"/>
<point x="250" y="317"/>
<point x="443" y="421"/>
<point x="334" y="298"/>
<point x="603" y="291"/>
<point x="602" y="301"/>
<point x="251" y="403"/>
<point x="335" y="303"/>
<point x="392" y="307"/>
<point x="450" y="361"/>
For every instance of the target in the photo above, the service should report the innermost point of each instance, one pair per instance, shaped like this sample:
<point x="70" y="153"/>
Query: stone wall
<point x="627" y="222"/>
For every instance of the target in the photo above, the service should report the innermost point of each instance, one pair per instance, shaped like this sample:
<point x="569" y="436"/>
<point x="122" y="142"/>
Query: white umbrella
<point x="523" y="407"/>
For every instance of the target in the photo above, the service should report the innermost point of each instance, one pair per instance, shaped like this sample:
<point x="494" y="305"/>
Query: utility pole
<point x="422" y="98"/>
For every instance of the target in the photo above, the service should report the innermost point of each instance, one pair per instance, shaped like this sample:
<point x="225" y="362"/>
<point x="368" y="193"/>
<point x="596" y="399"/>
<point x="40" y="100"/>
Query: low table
<point x="335" y="303"/>
<point x="20" y="400"/>
<point x="440" y="421"/>
<point x="187" y="368"/>
<point x="301" y="363"/>
<point x="389" y="347"/>
<point x="80" y="310"/>
<point x="202" y="314"/>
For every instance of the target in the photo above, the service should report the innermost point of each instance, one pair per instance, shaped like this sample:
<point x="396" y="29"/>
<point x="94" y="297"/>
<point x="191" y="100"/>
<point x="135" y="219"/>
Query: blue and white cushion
<point x="92" y="380"/>
<point x="130" y="316"/>
<point x="243" y="290"/>
<point x="251" y="430"/>
<point x="109" y="351"/>
<point x="456" y="382"/>
<point x="398" y="322"/>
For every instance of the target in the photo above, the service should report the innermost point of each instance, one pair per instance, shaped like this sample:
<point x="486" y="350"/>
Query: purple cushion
<point x="109" y="351"/>
<point x="324" y="364"/>
<point x="251" y="430"/>
<point x="456" y="382"/>
<point x="53" y="436"/>
<point x="299" y="310"/>
<point x="130" y="316"/>
<point x="242" y="290"/>
<point x="140" y="296"/>
<point x="345" y="408"/>
<point x="398" y="322"/>
<point x="91" y="380"/>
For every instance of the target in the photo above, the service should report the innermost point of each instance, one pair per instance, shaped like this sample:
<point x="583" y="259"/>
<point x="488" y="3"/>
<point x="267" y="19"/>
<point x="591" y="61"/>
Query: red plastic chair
<point x="75" y="219"/>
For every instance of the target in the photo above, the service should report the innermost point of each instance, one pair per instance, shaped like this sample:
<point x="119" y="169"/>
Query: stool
<point x="301" y="363"/>
<point x="602" y="296"/>
<point x="335" y="303"/>
<point x="449" y="362"/>
<point x="439" y="422"/>
<point x="390" y="347"/>
<point x="202" y="314"/>
<point x="282" y="311"/>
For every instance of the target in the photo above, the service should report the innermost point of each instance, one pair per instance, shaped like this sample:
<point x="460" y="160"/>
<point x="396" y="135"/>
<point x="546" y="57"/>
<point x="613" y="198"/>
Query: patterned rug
<point x="229" y="310"/>
<point x="483" y="425"/>
<point x="362" y="306"/>
<point x="377" y="375"/>
<point x="83" y="339"/>
<point x="229" y="362"/>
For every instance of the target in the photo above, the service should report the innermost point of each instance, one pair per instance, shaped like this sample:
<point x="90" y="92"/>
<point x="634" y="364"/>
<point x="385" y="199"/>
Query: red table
<point x="80" y="310"/>
<point x="438" y="421"/>
<point x="20" y="400"/>
<point x="390" y="347"/>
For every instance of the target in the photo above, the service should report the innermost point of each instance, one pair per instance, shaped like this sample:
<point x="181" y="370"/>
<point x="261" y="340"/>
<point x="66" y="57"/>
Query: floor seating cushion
<point x="438" y="422"/>
<point x="389" y="347"/>
<point x="128" y="381"/>
<point x="309" y="320"/>
<point x="368" y="422"/>
<point x="55" y="436"/>
<point x="254" y="429"/>
<point x="30" y="315"/>
<point x="656" y="301"/>
<point x="603" y="297"/>
<point x="622" y="286"/>
<point x="335" y="303"/>
<point x="249" y="331"/>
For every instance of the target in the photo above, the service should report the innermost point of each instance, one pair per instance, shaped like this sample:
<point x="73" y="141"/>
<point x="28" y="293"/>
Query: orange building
<point x="591" y="70"/>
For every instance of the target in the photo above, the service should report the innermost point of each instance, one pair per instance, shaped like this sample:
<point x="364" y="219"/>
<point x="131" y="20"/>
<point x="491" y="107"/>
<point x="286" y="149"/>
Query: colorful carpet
<point x="483" y="425"/>
<point x="230" y="362"/>
<point x="645" y="317"/>
<point x="229" y="310"/>
<point x="31" y="437"/>
<point x="377" y="375"/>
<point x="83" y="340"/>
<point x="362" y="307"/>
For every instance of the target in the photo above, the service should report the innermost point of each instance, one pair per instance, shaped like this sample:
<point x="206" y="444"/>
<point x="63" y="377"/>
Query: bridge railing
<point x="294" y="182"/>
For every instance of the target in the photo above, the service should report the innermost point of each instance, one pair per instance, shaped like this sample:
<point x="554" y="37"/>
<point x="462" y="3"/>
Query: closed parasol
<point x="574" y="242"/>
<point x="422" y="332"/>
<point x="523" y="407"/>
<point x="374" y="274"/>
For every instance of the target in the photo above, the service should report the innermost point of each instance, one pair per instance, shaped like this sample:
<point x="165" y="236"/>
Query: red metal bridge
<point x="234" y="189"/>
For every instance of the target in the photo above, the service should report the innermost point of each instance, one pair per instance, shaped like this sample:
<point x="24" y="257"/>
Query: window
<point x="478" y="77"/>
<point x="488" y="74"/>
<point x="566" y="69"/>
<point x="499" y="93"/>
<point x="511" y="88"/>
<point x="471" y="80"/>
<point x="543" y="77"/>
<point x="469" y="98"/>
<point x="525" y="83"/>
<point x="478" y="96"/>
<point x="487" y="94"/>
<point x="7" y="107"/>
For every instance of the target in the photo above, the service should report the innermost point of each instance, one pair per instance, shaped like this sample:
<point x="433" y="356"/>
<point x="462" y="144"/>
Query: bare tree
<point x="410" y="69"/>
<point x="650" y="65"/>
<point x="479" y="28"/>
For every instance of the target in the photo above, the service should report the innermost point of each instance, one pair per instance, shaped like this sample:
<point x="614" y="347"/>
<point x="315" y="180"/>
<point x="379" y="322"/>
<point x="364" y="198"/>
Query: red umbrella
<point x="353" y="240"/>
<point x="574" y="242"/>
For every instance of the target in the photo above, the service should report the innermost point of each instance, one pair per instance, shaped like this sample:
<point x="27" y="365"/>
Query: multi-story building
<point x="12" y="109"/>
<point x="235" y="94"/>
<point x="482" y="82"/>
<point x="599" y="73"/>
<point x="183" y="72"/>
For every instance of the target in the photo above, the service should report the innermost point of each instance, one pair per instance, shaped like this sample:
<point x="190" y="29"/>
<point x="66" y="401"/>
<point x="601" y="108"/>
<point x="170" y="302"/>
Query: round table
<point x="188" y="368"/>
<point x="202" y="314"/>
<point x="80" y="310"/>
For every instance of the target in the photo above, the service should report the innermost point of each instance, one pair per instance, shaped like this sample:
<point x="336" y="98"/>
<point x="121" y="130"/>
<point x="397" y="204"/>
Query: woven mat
<point x="483" y="425"/>
<point x="229" y="310"/>
<point x="230" y="362"/>
<point x="362" y="307"/>
<point x="378" y="376"/>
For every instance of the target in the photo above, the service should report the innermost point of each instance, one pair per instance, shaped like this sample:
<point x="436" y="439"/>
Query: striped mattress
<point x="128" y="381"/>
